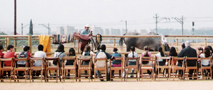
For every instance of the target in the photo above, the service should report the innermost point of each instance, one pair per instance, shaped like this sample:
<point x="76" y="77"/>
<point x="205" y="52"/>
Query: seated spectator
<point x="59" y="53"/>
<point x="101" y="54"/>
<point x="71" y="62"/>
<point x="40" y="54"/>
<point x="183" y="46"/>
<point x="116" y="63"/>
<point x="211" y="50"/>
<point x="1" y="51"/>
<point x="71" y="53"/>
<point x="188" y="52"/>
<point x="173" y="53"/>
<point x="132" y="54"/>
<point x="206" y="54"/>
<point x="146" y="54"/>
<point x="24" y="54"/>
<point x="160" y="54"/>
<point x="87" y="52"/>
<point x="9" y="54"/>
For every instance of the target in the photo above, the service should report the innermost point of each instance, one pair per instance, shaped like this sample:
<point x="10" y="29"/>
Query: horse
<point x="152" y="42"/>
<point x="86" y="39"/>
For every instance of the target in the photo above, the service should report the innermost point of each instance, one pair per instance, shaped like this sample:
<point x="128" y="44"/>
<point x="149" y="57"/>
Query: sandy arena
<point x="155" y="85"/>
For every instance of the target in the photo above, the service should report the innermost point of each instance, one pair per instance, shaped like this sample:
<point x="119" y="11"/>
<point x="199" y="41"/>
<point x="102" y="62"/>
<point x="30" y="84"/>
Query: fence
<point x="178" y="39"/>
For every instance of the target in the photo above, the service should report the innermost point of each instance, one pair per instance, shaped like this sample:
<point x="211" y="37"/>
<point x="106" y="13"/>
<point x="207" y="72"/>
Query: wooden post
<point x="177" y="44"/>
<point x="30" y="42"/>
<point x="7" y="41"/>
<point x="205" y="42"/>
<point x="14" y="44"/>
<point x="114" y="42"/>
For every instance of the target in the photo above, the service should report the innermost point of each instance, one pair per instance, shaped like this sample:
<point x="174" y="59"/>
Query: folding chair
<point x="164" y="67"/>
<point x="4" y="68"/>
<point x="37" y="68"/>
<point x="130" y="67"/>
<point x="100" y="64"/>
<point x="25" y="69"/>
<point x="175" y="68"/>
<point x="71" y="68"/>
<point x="148" y="66"/>
<point x="206" y="69"/>
<point x="53" y="68"/>
<point x="114" y="69"/>
<point x="191" y="67"/>
<point x="85" y="67"/>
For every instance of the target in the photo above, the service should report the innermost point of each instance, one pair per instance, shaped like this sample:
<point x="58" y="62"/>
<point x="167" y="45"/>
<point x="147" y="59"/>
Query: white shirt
<point x="131" y="56"/>
<point x="158" y="55"/>
<point x="40" y="54"/>
<point x="204" y="62"/>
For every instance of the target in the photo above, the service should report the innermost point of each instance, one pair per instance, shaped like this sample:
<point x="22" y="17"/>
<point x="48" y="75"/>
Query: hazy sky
<point x="105" y="13"/>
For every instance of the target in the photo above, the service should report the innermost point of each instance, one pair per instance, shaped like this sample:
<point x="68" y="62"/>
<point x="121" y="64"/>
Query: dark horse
<point x="152" y="42"/>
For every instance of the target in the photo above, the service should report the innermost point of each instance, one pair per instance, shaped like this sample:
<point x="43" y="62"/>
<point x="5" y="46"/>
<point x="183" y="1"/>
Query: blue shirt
<point x="116" y="55"/>
<point x="84" y="32"/>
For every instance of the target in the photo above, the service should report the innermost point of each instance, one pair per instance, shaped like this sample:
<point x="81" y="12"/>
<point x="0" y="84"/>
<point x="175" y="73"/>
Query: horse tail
<point x="121" y="41"/>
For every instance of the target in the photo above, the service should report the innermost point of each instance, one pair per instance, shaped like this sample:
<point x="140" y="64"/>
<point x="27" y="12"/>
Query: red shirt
<point x="1" y="55"/>
<point x="9" y="55"/>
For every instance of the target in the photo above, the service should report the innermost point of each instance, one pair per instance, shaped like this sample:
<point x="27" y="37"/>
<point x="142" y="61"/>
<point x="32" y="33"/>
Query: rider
<point x="86" y="31"/>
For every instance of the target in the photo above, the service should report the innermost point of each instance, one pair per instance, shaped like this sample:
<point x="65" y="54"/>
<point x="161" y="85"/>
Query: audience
<point x="59" y="53"/>
<point x="71" y="62"/>
<point x="102" y="54"/>
<point x="9" y="54"/>
<point x="210" y="48"/>
<point x="158" y="55"/>
<point x="183" y="46"/>
<point x="39" y="54"/>
<point x="87" y="52"/>
<point x="132" y="54"/>
<point x="206" y="54"/>
<point x="146" y="54"/>
<point x="188" y="52"/>
<point x="173" y="53"/>
<point x="116" y="63"/>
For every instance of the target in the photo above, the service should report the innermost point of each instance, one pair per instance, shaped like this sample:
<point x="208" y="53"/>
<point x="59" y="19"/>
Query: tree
<point x="31" y="28"/>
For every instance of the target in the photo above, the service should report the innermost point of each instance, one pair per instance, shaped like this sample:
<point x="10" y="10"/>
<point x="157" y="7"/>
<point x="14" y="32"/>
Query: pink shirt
<point x="145" y="53"/>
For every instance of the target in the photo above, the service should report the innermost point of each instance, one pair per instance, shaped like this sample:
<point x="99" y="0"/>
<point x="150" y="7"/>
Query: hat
<point x="87" y="25"/>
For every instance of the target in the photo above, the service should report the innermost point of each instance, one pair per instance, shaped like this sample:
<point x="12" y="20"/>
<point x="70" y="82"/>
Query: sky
<point x="105" y="13"/>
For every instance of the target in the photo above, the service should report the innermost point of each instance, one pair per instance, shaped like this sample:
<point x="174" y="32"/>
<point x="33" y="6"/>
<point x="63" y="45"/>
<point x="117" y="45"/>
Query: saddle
<point x="82" y="37"/>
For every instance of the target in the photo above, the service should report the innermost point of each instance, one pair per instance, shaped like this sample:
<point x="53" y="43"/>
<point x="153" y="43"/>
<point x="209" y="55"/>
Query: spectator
<point x="59" y="53"/>
<point x="132" y="54"/>
<point x="205" y="63"/>
<point x="188" y="52"/>
<point x="101" y="54"/>
<point x="173" y="53"/>
<point x="160" y="54"/>
<point x="116" y="63"/>
<point x="183" y="46"/>
<point x="40" y="54"/>
<point x="71" y="62"/>
<point x="9" y="54"/>
<point x="211" y="51"/>
<point x="87" y="52"/>
<point x="146" y="54"/>
<point x="1" y="51"/>
<point x="24" y="54"/>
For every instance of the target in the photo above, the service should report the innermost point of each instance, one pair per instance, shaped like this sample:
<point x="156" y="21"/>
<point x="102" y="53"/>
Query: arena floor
<point x="155" y="85"/>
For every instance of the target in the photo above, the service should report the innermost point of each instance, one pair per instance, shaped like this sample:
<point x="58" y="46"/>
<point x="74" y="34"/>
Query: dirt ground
<point x="155" y="85"/>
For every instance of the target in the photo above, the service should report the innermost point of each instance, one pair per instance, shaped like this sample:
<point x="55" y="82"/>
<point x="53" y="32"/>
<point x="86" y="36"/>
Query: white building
<point x="97" y="30"/>
<point x="66" y="30"/>
<point x="59" y="30"/>
<point x="115" y="31"/>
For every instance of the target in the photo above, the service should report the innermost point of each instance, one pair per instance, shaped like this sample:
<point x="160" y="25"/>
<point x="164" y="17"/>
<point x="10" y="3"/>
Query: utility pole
<point x="48" y="27"/>
<point x="193" y="30"/>
<point x="14" y="17"/>
<point x="156" y="22"/>
<point x="126" y="26"/>
<point x="22" y="28"/>
<point x="181" y="21"/>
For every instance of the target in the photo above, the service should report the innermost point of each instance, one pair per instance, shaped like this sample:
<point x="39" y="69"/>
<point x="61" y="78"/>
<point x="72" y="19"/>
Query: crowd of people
<point x="187" y="51"/>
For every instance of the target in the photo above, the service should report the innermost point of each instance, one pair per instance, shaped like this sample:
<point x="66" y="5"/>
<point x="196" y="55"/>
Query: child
<point x="9" y="54"/>
<point x="132" y="54"/>
<point x="24" y="54"/>
<point x="59" y="53"/>
<point x="87" y="52"/>
<point x="71" y="62"/>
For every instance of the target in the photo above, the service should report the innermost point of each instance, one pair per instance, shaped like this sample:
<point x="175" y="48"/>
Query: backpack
<point x="22" y="55"/>
<point x="101" y="64"/>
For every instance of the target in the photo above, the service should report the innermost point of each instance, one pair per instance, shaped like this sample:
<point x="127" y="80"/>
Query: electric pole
<point x="156" y="22"/>
<point x="14" y="17"/>
<point x="181" y="21"/>
<point x="126" y="26"/>
<point x="22" y="28"/>
<point x="48" y="27"/>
